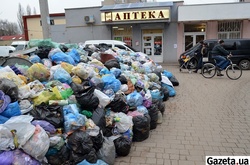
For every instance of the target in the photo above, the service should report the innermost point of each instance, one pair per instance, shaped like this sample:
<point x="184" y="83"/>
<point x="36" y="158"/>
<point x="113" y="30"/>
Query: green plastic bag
<point x="66" y="93"/>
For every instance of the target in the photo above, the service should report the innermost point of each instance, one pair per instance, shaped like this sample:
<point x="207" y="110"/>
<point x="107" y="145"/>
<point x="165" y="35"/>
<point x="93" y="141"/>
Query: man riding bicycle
<point x="217" y="53"/>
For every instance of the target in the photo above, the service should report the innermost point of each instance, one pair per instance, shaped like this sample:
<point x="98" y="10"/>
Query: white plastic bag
<point x="24" y="129"/>
<point x="38" y="145"/>
<point x="6" y="139"/>
<point x="166" y="80"/>
<point x="123" y="122"/>
<point x="103" y="98"/>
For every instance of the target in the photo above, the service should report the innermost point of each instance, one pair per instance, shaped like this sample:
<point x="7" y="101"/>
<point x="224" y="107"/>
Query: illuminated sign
<point x="142" y="15"/>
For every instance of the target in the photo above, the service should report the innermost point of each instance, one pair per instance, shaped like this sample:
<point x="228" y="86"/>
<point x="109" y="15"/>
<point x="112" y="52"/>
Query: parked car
<point x="114" y="44"/>
<point x="20" y="45"/>
<point x="111" y="44"/>
<point x="5" y="50"/>
<point x="240" y="48"/>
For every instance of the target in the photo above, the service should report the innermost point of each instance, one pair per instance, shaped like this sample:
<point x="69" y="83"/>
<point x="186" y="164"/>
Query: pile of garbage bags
<point x="78" y="106"/>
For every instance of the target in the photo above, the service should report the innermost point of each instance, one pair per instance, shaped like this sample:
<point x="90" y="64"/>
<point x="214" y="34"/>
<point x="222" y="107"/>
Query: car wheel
<point x="244" y="64"/>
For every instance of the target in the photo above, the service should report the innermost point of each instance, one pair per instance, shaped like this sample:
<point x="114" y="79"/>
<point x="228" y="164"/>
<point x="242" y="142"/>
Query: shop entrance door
<point x="192" y="39"/>
<point x="152" y="46"/>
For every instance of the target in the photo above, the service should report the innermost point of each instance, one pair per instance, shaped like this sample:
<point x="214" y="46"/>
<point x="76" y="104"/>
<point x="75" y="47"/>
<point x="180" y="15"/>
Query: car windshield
<point x="19" y="47"/>
<point x="194" y="48"/>
<point x="131" y="48"/>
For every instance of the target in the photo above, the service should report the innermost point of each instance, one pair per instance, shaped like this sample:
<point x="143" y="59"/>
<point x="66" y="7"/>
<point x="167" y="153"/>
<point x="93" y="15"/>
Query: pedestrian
<point x="217" y="53"/>
<point x="200" y="53"/>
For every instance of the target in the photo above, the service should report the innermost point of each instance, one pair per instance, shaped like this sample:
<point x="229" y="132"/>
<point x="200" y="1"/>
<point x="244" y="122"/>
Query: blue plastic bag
<point x="171" y="90"/>
<point x="59" y="57"/>
<point x="85" y="162"/>
<point x="167" y="73"/>
<point x="62" y="75"/>
<point x="110" y="82"/>
<point x="3" y="119"/>
<point x="134" y="99"/>
<point x="75" y="55"/>
<point x="115" y="71"/>
<point x="104" y="71"/>
<point x="13" y="109"/>
<point x="72" y="118"/>
<point x="156" y="94"/>
<point x="35" y="59"/>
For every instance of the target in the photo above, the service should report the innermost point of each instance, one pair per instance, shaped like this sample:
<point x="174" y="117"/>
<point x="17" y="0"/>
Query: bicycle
<point x="233" y="71"/>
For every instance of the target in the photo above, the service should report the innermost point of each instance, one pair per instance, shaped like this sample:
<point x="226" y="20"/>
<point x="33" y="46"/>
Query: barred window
<point x="228" y="30"/>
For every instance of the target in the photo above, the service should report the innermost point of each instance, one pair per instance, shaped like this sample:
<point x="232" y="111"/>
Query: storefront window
<point x="123" y="33"/>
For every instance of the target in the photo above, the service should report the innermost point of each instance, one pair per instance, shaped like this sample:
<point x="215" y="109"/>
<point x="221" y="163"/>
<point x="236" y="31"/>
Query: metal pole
<point x="44" y="9"/>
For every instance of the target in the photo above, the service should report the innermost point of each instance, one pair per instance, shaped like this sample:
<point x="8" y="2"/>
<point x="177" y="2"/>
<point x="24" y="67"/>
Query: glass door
<point x="152" y="46"/>
<point x="192" y="39"/>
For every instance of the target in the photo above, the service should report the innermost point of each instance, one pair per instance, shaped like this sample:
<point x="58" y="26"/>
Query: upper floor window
<point x="230" y="29"/>
<point x="52" y="22"/>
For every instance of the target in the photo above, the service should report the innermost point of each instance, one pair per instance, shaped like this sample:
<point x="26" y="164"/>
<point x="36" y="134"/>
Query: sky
<point x="8" y="9"/>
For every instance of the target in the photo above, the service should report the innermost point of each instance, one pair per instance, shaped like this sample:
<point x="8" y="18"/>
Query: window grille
<point x="227" y="30"/>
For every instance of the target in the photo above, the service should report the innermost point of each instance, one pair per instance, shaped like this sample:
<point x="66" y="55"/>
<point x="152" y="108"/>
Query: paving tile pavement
<point x="206" y="117"/>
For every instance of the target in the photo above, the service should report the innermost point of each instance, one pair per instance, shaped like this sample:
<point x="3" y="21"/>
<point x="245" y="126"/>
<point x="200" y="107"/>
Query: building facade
<point x="212" y="21"/>
<point x="163" y="30"/>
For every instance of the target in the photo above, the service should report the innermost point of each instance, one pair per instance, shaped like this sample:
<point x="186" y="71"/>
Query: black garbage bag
<point x="174" y="81"/>
<point x="60" y="158"/>
<point x="108" y="131"/>
<point x="78" y="88"/>
<point x="91" y="157"/>
<point x="153" y="113"/>
<point x="87" y="99"/>
<point x="98" y="117"/>
<point x="80" y="142"/>
<point x="107" y="152"/>
<point x="123" y="79"/>
<point x="122" y="146"/>
<point x="50" y="113"/>
<point x="165" y="93"/>
<point x="63" y="48"/>
<point x="9" y="88"/>
<point x="97" y="141"/>
<point x="113" y="63"/>
<point x="141" y="127"/>
<point x="81" y="146"/>
<point x="118" y="104"/>
<point x="43" y="51"/>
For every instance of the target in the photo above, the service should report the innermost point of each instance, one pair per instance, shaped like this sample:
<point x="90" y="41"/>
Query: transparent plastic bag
<point x="38" y="71"/>
<point x="38" y="144"/>
<point x="6" y="139"/>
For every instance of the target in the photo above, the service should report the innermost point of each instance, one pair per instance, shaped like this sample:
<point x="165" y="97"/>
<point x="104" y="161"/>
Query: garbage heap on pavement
<point x="79" y="106"/>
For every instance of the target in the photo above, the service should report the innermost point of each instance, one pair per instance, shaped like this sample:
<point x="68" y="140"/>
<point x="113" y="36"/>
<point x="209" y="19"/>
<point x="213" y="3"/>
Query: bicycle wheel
<point x="233" y="72"/>
<point x="192" y="64"/>
<point x="208" y="70"/>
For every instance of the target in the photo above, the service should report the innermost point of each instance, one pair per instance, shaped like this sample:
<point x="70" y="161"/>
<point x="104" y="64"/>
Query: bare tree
<point x="20" y="14"/>
<point x="34" y="11"/>
<point x="8" y="28"/>
<point x="28" y="10"/>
